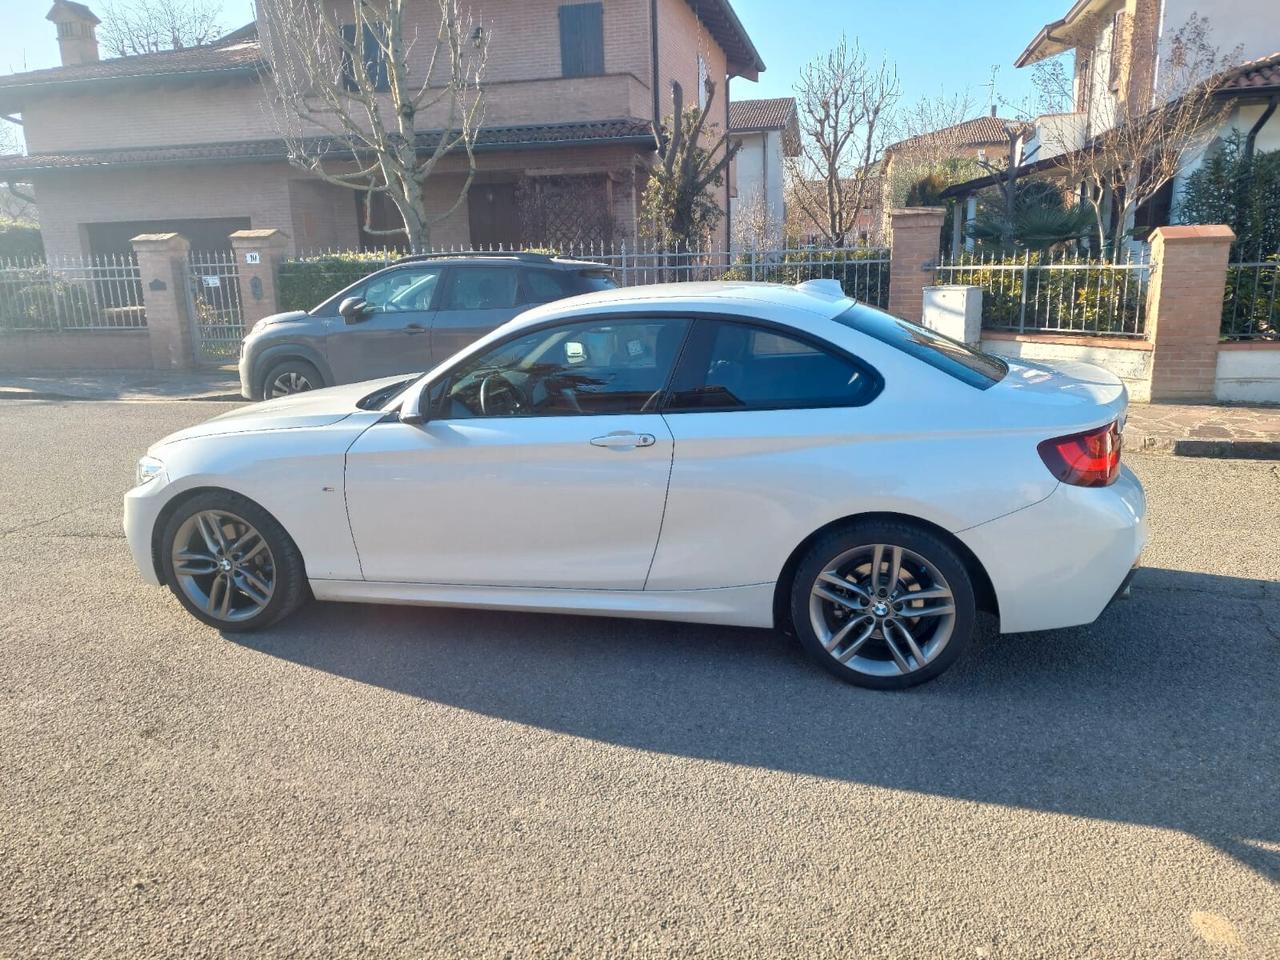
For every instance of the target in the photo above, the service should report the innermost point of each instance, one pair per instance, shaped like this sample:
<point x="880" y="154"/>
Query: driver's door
<point x="543" y="464"/>
<point x="394" y="334"/>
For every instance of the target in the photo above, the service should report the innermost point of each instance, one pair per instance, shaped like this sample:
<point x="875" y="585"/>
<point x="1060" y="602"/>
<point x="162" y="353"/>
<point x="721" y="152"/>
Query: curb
<point x="1218" y="449"/>
<point x="7" y="393"/>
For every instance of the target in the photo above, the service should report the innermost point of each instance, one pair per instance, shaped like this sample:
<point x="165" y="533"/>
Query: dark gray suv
<point x="404" y="319"/>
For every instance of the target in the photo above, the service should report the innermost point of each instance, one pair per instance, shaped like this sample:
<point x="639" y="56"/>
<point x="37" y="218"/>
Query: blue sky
<point x="936" y="44"/>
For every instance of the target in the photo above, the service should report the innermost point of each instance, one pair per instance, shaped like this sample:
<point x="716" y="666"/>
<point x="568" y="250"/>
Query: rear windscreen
<point x="952" y="357"/>
<point x="591" y="280"/>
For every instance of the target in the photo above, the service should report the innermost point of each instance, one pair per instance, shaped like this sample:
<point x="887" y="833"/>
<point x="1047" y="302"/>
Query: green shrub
<point x="1251" y="305"/>
<point x="307" y="281"/>
<point x="35" y="298"/>
<point x="1242" y="192"/>
<point x="862" y="280"/>
<point x="20" y="241"/>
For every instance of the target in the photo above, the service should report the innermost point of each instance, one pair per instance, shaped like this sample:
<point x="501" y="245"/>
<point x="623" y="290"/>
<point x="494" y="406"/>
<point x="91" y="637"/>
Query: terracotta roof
<point x="634" y="132"/>
<point x="221" y="58"/>
<point x="773" y="114"/>
<point x="970" y="133"/>
<point x="1260" y="74"/>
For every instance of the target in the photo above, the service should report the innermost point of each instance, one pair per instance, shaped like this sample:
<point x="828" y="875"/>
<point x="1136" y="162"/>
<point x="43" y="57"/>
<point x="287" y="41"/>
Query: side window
<point x="402" y="290"/>
<point x="543" y="286"/>
<point x="738" y="366"/>
<point x="372" y="50"/>
<point x="582" y="39"/>
<point x="577" y="369"/>
<point x="481" y="288"/>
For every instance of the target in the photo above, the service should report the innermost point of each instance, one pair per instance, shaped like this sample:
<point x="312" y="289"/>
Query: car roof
<point x="818" y="300"/>
<point x="474" y="258"/>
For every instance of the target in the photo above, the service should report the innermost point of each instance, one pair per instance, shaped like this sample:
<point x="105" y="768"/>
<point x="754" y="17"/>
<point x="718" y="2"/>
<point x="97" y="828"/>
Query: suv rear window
<point x="952" y="357"/>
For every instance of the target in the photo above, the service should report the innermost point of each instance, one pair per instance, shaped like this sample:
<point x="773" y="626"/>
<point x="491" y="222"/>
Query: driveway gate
<point x="217" y="321"/>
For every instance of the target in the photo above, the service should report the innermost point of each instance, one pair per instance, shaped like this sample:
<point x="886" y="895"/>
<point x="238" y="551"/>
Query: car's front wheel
<point x="883" y="604"/>
<point x="230" y="563"/>
<point x="291" y="376"/>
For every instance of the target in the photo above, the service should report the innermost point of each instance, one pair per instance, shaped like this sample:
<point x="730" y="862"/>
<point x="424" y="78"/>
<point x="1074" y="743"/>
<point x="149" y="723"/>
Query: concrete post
<point x="258" y="254"/>
<point x="913" y="259"/>
<point x="164" y="271"/>
<point x="1184" y="309"/>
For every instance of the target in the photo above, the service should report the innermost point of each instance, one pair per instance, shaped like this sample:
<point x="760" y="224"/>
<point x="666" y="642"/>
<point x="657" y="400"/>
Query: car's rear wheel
<point x="883" y="604"/>
<point x="291" y="376"/>
<point x="230" y="563"/>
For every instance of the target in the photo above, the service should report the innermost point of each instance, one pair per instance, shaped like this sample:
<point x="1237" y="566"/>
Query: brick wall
<point x="82" y="350"/>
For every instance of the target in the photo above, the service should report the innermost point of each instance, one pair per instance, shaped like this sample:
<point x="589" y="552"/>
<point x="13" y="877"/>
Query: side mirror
<point x="411" y="411"/>
<point x="353" y="309"/>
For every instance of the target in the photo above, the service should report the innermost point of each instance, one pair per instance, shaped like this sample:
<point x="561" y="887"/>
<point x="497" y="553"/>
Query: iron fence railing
<point x="1067" y="295"/>
<point x="217" y="318"/>
<point x="1251" y="300"/>
<point x="72" y="293"/>
<point x="311" y="277"/>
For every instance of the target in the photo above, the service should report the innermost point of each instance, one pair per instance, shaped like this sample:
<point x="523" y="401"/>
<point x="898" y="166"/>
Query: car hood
<point x="315" y="408"/>
<point x="282" y="317"/>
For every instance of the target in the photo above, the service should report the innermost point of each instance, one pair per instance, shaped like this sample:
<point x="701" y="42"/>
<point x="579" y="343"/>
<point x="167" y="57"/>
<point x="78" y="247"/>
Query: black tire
<point x="290" y="588"/>
<point x="928" y="550"/>
<point x="298" y="375"/>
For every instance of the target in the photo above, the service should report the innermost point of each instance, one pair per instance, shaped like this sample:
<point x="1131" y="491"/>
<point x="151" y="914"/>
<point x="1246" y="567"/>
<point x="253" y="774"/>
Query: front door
<point x="395" y="334"/>
<point x="493" y="215"/>
<point x="544" y="464"/>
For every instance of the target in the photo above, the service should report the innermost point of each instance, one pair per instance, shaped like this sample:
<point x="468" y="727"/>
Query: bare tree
<point x="149" y="26"/>
<point x="679" y="206"/>
<point x="364" y="102"/>
<point x="1141" y="144"/>
<point x="755" y="228"/>
<point x="843" y="101"/>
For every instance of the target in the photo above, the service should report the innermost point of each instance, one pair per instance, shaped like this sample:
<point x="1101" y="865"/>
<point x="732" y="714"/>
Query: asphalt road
<point x="368" y="781"/>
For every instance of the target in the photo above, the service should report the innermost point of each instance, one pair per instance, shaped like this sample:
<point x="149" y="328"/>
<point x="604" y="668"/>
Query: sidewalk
<point x="217" y="383"/>
<point x="1204" y="430"/>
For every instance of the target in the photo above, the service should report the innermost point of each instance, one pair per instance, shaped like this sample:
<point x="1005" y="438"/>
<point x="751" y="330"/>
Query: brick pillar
<point x="258" y="254"/>
<point x="1184" y="309"/>
<point x="913" y="259"/>
<point x="164" y="271"/>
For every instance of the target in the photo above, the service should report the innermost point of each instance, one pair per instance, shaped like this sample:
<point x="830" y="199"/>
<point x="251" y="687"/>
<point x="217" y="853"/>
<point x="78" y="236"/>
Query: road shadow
<point x="1162" y="713"/>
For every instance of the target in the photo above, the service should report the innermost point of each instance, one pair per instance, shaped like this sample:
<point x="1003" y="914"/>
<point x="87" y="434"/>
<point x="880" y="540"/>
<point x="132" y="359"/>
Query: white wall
<point x="1133" y="366"/>
<point x="758" y="176"/>
<point x="1251" y="25"/>
<point x="1248" y="376"/>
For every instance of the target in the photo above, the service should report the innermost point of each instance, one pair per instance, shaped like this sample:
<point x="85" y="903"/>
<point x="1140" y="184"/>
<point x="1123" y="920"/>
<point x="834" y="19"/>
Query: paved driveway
<point x="367" y="781"/>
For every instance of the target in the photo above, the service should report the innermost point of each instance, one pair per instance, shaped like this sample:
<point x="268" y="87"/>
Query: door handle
<point x="414" y="328"/>
<point x="622" y="440"/>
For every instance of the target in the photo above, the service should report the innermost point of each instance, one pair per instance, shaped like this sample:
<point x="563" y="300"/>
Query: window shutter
<point x="375" y="58"/>
<point x="582" y="39"/>
<point x="348" y="69"/>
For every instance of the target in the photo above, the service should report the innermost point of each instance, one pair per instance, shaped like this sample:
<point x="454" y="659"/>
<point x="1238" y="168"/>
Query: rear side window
<point x="738" y="366"/>
<point x="543" y="286"/>
<point x="952" y="357"/>
<point x="481" y="288"/>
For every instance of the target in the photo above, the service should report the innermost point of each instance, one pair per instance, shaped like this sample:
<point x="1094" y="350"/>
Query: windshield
<point x="952" y="357"/>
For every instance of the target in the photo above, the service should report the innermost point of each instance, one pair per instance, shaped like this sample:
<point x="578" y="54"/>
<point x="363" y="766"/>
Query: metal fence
<point x="216" y="315"/>
<point x="1058" y="295"/>
<point x="862" y="271"/>
<point x="81" y="293"/>
<point x="1251" y="301"/>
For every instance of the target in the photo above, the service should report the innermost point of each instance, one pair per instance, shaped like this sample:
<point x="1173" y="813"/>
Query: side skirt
<point x="747" y="606"/>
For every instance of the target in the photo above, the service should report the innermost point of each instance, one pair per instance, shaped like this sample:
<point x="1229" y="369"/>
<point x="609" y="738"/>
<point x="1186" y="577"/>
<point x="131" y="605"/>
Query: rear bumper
<point x="1060" y="562"/>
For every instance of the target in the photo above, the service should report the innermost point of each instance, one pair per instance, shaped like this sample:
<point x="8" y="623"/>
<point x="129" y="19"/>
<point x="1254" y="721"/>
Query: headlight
<point x="148" y="469"/>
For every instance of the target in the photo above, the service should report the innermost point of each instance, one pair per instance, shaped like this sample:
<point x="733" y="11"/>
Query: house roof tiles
<point x="633" y="132"/>
<point x="1260" y="74"/>
<point x="775" y="114"/>
<point x="220" y="58"/>
<point x="969" y="133"/>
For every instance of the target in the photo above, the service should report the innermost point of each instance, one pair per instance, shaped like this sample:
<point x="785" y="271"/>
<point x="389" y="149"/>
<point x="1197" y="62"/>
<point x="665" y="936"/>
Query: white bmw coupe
<point x="729" y="453"/>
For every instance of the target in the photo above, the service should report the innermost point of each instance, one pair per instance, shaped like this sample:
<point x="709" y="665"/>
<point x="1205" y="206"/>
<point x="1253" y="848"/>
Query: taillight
<point x="1089" y="459"/>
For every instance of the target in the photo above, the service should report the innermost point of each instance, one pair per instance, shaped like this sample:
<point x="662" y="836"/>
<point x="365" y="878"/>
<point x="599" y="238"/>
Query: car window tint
<point x="736" y="366"/>
<point x="577" y="369"/>
<point x="543" y="286"/>
<point x="482" y="288"/>
<point x="952" y="357"/>
<point x="410" y="288"/>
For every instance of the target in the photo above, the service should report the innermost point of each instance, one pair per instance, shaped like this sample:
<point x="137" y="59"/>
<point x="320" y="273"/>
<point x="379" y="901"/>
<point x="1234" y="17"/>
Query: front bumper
<point x="246" y="373"/>
<point x="1060" y="562"/>
<point x="142" y="506"/>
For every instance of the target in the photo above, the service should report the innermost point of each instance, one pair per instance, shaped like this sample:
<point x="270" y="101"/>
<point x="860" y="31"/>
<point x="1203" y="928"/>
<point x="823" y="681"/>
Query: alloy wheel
<point x="290" y="382"/>
<point x="224" y="565"/>
<point x="882" y="610"/>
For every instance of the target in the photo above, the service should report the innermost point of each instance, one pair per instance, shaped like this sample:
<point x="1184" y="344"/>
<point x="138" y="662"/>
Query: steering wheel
<point x="495" y="387"/>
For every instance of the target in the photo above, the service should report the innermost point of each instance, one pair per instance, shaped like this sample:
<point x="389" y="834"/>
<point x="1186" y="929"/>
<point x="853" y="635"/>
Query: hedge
<point x="20" y="241"/>
<point x="307" y="281"/>
<point x="862" y="280"/>
<point x="35" y="298"/>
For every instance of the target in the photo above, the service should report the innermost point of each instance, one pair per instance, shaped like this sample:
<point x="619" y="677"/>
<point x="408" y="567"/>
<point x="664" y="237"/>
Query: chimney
<point x="993" y="109"/>
<point x="77" y="39"/>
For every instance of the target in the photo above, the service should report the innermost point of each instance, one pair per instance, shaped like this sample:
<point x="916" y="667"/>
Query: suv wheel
<point x="291" y="376"/>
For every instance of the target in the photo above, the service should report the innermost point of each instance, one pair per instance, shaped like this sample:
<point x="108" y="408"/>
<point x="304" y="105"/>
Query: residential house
<point x="769" y="132"/>
<point x="183" y="140"/>
<point x="1119" y="49"/>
